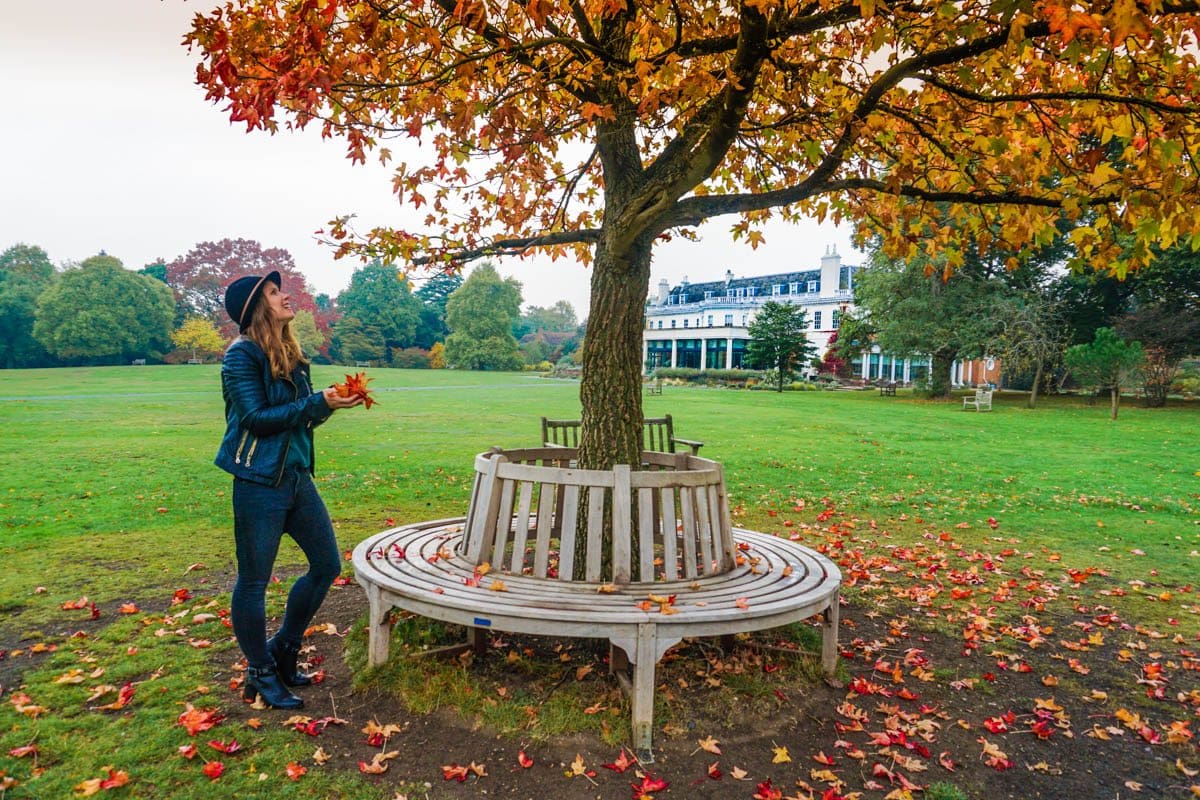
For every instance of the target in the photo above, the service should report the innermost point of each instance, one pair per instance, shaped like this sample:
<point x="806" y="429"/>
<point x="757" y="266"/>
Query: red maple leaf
<point x="356" y="386"/>
<point x="196" y="720"/>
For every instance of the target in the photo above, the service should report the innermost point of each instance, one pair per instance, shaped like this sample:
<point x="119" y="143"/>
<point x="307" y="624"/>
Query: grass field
<point x="107" y="490"/>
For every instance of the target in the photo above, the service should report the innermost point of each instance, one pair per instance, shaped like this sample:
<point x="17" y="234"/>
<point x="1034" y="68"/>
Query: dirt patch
<point x="915" y="711"/>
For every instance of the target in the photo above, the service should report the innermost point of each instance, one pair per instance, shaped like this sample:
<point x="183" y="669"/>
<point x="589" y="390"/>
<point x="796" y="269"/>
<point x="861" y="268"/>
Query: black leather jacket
<point x="261" y="411"/>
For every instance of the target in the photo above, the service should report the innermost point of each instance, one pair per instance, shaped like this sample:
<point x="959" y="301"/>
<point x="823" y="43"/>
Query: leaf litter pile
<point x="996" y="671"/>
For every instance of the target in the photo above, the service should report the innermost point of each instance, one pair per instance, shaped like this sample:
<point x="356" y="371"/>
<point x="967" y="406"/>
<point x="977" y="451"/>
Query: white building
<point x="704" y="325"/>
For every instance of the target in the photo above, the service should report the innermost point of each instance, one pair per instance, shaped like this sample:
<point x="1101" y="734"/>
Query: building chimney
<point x="664" y="291"/>
<point x="728" y="277"/>
<point x="831" y="269"/>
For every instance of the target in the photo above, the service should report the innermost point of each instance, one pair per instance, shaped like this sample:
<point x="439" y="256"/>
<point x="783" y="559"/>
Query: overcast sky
<point x="109" y="145"/>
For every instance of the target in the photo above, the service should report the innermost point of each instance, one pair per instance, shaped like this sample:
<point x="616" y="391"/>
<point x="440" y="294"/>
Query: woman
<point x="270" y="413"/>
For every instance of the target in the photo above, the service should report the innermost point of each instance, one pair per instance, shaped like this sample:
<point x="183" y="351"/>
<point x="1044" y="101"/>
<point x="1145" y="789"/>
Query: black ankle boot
<point x="265" y="683"/>
<point x="285" y="662"/>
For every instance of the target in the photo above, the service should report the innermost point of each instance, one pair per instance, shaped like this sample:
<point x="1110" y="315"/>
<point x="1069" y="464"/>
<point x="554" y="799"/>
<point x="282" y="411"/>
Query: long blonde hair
<point x="280" y="344"/>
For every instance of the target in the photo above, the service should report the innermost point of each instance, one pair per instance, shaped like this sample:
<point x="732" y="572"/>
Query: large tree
<point x="600" y="126"/>
<point x="25" y="272"/>
<point x="480" y="315"/>
<point x="379" y="299"/>
<point x="433" y="295"/>
<point x="778" y="340"/>
<point x="914" y="312"/>
<point x="101" y="312"/>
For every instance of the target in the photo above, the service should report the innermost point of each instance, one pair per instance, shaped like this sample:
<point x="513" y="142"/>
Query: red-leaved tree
<point x="199" y="278"/>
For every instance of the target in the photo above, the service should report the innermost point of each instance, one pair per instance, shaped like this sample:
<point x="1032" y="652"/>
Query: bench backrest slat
<point x="595" y="528"/>
<point x="521" y="528"/>
<point x="669" y="531"/>
<point x="703" y="530"/>
<point x="545" y="522"/>
<point x="622" y="520"/>
<point x="688" y="513"/>
<point x="646" y="536"/>
<point x="500" y="538"/>
<point x="570" y="516"/>
<point x="658" y="433"/>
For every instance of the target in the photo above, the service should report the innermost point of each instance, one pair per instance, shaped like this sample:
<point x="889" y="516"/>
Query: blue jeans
<point x="261" y="515"/>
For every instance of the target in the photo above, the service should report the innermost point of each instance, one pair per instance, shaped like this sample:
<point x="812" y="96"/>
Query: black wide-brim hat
<point x="242" y="295"/>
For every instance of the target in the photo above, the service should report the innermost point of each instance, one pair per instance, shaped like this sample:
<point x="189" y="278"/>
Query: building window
<point x="777" y="289"/>
<point x="710" y="320"/>
<point x="728" y="320"/>
<point x="685" y="323"/>
<point x="743" y="320"/>
<point x="794" y="288"/>
<point x="991" y="364"/>
<point x="817" y="320"/>
<point x="752" y="291"/>
<point x="672" y="323"/>
<point x="708" y="295"/>
<point x="660" y="324"/>
<point x="812" y="287"/>
<point x="837" y="319"/>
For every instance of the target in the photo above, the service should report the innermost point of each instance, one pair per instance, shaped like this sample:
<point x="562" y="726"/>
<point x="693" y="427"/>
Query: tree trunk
<point x="1115" y="394"/>
<point x="1037" y="381"/>
<point x="611" y="387"/>
<point x="939" y="374"/>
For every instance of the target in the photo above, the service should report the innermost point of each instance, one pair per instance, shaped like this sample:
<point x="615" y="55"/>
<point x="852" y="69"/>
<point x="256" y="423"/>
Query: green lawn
<point x="107" y="490"/>
<point x="115" y="465"/>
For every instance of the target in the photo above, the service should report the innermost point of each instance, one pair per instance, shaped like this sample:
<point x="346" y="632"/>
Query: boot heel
<point x="249" y="693"/>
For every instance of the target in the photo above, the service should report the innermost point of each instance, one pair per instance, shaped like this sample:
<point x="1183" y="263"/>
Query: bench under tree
<point x="532" y="557"/>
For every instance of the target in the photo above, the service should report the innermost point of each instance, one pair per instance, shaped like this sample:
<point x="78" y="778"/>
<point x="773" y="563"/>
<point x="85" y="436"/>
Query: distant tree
<point x="355" y="340"/>
<point x="832" y="362"/>
<point x="1167" y="335"/>
<point x="1033" y="337"/>
<point x="310" y="336"/>
<point x="25" y="272"/>
<point x="1108" y="362"/>
<point x="778" y="340"/>
<point x="198" y="335"/>
<point x="433" y="295"/>
<point x="558" y="318"/>
<point x="480" y="315"/>
<point x="379" y="300"/>
<point x="199" y="278"/>
<point x="915" y="312"/>
<point x="101" y="311"/>
<point x="437" y="356"/>
<point x="156" y="270"/>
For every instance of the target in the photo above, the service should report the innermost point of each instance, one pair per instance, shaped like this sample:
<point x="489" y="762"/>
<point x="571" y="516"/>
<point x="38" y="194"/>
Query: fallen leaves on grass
<point x="114" y="779"/>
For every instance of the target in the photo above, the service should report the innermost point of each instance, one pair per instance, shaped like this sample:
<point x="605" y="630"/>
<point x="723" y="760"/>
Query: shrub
<point x="410" y="358"/>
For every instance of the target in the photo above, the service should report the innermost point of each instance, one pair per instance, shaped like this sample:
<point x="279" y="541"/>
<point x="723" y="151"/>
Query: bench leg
<point x="829" y="637"/>
<point x="477" y="640"/>
<point x="642" y="713"/>
<point x="379" y="628"/>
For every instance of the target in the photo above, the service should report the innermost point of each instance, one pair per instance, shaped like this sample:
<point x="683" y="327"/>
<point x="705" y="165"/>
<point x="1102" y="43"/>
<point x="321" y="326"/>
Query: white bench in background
<point x="981" y="401"/>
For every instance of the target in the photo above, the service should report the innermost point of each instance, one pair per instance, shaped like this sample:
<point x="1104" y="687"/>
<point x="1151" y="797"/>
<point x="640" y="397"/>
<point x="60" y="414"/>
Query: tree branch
<point x="512" y="247"/>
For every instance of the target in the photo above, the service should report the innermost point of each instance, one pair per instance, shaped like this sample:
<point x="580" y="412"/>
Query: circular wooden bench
<point x="535" y="522"/>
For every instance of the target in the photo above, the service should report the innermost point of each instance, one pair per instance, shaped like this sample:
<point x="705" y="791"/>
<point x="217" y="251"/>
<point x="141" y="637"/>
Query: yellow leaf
<point x="710" y="745"/>
<point x="497" y="586"/>
<point x="738" y="774"/>
<point x="781" y="755"/>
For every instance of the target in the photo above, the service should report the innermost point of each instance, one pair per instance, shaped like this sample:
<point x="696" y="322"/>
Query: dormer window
<point x="777" y="290"/>
<point x="812" y="287"/>
<point x="793" y="288"/>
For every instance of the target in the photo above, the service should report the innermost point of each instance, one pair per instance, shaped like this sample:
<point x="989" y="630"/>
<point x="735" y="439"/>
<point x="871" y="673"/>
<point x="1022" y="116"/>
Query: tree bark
<point x="1037" y="381"/>
<point x="611" y="391"/>
<point x="1115" y="395"/>
<point x="939" y="374"/>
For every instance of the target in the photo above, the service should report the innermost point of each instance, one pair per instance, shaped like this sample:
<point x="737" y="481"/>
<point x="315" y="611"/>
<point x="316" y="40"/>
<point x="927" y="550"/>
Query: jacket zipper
<point x="237" y="459"/>
<point x="287" y="443"/>
<point x="250" y="454"/>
